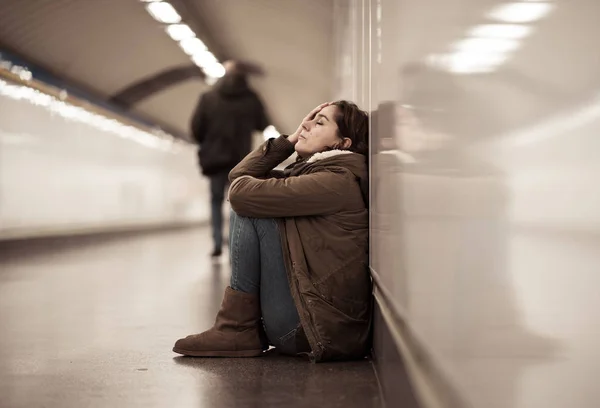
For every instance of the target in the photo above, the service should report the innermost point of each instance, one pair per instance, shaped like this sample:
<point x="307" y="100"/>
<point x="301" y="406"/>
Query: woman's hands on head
<point x="293" y="138"/>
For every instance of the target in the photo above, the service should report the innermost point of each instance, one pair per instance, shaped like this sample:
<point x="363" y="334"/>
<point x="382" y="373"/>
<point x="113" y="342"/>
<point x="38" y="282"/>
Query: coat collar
<point x="327" y="154"/>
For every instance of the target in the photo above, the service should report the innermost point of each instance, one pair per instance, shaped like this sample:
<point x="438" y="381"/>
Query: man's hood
<point x="233" y="85"/>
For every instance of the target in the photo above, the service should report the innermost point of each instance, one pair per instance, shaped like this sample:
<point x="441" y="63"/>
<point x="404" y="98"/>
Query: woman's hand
<point x="293" y="138"/>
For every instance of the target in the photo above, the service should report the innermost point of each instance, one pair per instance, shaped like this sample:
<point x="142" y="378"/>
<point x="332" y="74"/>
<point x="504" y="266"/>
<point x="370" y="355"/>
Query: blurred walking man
<point x="222" y="125"/>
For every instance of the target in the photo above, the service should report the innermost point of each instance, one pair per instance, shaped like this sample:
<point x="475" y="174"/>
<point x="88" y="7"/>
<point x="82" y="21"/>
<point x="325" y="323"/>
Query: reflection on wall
<point x="484" y="192"/>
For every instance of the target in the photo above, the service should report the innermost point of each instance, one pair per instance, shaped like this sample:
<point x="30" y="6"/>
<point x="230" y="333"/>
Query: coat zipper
<point x="313" y="357"/>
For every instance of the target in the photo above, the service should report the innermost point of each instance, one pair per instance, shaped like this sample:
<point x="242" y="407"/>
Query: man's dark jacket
<point x="223" y="124"/>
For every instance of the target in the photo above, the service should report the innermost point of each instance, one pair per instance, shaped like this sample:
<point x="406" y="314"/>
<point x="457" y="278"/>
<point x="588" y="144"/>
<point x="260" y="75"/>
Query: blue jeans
<point x="257" y="267"/>
<point x="218" y="184"/>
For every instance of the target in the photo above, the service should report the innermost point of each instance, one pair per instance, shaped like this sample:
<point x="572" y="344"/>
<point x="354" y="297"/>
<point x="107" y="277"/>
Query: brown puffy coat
<point x="321" y="205"/>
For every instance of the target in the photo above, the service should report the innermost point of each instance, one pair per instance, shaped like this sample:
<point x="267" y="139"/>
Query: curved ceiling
<point x="107" y="46"/>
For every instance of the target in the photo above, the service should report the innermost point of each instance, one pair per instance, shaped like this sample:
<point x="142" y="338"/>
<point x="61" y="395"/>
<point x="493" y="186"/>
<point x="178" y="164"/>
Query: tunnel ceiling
<point x="107" y="46"/>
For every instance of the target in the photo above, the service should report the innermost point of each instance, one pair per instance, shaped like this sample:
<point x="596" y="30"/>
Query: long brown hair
<point x="353" y="123"/>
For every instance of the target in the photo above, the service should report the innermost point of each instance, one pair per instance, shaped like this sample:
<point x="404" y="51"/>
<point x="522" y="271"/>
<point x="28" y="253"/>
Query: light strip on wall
<point x="160" y="140"/>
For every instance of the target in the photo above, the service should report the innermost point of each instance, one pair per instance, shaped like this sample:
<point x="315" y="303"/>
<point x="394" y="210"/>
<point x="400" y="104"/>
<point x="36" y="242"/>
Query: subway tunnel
<point x="483" y="199"/>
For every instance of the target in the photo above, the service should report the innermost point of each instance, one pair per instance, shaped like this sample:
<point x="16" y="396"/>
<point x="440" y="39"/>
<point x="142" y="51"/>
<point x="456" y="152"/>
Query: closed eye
<point x="320" y="116"/>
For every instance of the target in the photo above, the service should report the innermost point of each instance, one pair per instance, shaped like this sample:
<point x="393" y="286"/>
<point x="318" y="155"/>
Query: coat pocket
<point x="349" y="290"/>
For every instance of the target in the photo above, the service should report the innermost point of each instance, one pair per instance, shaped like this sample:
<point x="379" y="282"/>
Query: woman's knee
<point x="235" y="218"/>
<point x="268" y="223"/>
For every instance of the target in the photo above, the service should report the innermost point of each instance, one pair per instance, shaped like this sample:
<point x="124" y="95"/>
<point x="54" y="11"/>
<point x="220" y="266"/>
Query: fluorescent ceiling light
<point x="507" y="31"/>
<point x="192" y="46"/>
<point x="180" y="32"/>
<point x="486" y="45"/>
<point x="204" y="59"/>
<point x="215" y="70"/>
<point x="520" y="12"/>
<point x="163" y="12"/>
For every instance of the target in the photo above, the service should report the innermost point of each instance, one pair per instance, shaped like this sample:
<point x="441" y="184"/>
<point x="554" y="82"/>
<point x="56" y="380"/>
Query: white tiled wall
<point x="60" y="175"/>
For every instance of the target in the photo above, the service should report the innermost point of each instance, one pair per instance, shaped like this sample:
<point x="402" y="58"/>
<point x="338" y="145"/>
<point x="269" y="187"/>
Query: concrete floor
<point x="91" y="322"/>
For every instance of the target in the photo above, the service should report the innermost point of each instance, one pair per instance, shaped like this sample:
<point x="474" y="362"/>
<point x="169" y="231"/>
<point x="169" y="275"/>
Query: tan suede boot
<point x="236" y="332"/>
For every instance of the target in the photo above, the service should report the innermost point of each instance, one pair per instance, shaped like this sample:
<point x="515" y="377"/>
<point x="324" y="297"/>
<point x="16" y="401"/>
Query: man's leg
<point x="218" y="183"/>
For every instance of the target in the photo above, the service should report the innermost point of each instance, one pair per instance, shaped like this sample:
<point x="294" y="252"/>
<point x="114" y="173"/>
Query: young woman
<point x="299" y="246"/>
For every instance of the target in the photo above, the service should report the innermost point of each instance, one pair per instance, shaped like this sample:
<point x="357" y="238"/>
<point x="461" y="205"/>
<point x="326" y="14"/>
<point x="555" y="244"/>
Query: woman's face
<point x="320" y="133"/>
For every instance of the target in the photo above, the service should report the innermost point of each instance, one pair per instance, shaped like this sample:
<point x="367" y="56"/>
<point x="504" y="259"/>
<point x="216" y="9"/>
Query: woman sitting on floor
<point x="299" y="246"/>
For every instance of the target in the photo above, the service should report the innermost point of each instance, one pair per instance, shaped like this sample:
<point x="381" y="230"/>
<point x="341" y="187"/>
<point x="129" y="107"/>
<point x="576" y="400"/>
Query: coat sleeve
<point x="318" y="193"/>
<point x="261" y="162"/>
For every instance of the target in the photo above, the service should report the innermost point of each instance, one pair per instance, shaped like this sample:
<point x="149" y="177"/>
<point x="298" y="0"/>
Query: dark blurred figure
<point x="222" y="125"/>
